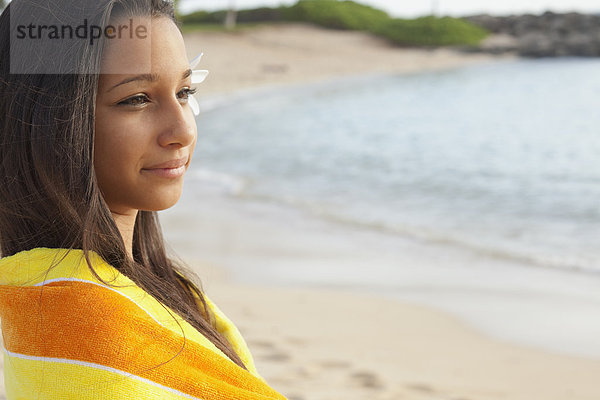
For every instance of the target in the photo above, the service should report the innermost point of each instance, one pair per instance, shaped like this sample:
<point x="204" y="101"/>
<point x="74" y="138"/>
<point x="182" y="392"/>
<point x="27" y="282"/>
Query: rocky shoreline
<point x="546" y="35"/>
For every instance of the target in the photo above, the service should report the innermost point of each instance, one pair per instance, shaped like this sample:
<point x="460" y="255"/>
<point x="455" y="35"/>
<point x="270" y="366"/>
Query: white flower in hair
<point x="197" y="77"/>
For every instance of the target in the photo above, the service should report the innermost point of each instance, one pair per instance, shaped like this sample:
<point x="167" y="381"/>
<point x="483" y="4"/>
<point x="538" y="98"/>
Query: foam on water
<point x="501" y="159"/>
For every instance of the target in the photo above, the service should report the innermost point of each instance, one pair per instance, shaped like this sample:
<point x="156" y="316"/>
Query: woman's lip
<point x="167" y="172"/>
<point x="169" y="164"/>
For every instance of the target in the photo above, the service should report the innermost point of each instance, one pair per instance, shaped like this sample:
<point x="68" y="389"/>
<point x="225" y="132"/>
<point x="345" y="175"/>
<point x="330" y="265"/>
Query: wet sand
<point x="317" y="343"/>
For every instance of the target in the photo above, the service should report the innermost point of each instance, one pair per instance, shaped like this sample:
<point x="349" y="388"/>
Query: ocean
<point x="501" y="159"/>
<point x="472" y="190"/>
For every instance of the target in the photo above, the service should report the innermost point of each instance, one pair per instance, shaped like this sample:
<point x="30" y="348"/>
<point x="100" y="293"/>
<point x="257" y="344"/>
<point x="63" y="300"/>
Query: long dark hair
<point x="49" y="196"/>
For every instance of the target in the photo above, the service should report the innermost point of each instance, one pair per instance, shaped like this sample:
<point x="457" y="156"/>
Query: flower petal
<point x="196" y="61"/>
<point x="199" y="75"/>
<point x="194" y="105"/>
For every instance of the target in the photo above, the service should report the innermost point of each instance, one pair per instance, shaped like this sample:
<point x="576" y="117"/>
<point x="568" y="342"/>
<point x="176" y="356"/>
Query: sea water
<point x="501" y="159"/>
<point x="472" y="190"/>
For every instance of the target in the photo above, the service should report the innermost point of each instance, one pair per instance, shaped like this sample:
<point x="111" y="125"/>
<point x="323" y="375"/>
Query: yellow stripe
<point x="233" y="336"/>
<point x="45" y="380"/>
<point x="29" y="268"/>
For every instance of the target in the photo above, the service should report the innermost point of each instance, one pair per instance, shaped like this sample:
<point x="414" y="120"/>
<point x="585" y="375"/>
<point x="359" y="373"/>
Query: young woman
<point x="96" y="133"/>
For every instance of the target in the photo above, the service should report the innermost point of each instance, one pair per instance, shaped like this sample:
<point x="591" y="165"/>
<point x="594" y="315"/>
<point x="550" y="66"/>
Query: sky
<point x="411" y="8"/>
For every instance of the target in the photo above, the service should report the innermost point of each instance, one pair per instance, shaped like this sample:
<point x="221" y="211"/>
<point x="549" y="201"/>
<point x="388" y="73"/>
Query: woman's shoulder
<point x="105" y="342"/>
<point x="64" y="276"/>
<point x="41" y="265"/>
<point x="66" y="324"/>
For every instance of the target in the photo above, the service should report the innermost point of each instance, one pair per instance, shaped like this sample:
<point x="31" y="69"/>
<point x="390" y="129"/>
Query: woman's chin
<point x="161" y="203"/>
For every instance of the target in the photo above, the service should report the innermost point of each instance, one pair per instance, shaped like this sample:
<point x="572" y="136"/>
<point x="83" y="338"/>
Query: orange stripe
<point x="86" y="322"/>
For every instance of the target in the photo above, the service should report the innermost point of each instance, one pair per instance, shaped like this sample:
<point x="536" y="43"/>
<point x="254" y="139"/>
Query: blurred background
<point x="399" y="200"/>
<point x="410" y="189"/>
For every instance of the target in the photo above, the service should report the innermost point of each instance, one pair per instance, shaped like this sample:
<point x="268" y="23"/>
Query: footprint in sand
<point x="276" y="356"/>
<point x="261" y="343"/>
<point x="338" y="364"/>
<point x="367" y="379"/>
<point x="267" y="351"/>
<point x="420" y="387"/>
<point x="296" y="341"/>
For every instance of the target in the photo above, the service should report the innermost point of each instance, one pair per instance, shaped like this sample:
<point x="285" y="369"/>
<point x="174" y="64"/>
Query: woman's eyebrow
<point x="147" y="77"/>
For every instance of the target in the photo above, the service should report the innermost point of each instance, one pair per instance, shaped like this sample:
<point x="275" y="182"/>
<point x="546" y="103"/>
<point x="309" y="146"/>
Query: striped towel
<point x="68" y="336"/>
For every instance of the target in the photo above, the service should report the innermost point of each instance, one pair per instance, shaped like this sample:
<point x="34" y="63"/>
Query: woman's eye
<point x="141" y="99"/>
<point x="184" y="94"/>
<point x="135" y="100"/>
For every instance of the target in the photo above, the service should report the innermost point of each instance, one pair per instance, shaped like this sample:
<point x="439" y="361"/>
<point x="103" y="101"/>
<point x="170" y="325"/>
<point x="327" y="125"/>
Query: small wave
<point x="223" y="182"/>
<point x="214" y="102"/>
<point x="277" y="90"/>
<point x="578" y="263"/>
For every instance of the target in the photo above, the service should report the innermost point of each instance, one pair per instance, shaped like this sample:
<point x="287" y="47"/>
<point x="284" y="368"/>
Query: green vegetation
<point x="200" y="17"/>
<point x="215" y="27"/>
<point x="336" y="14"/>
<point x="263" y="14"/>
<point x="432" y="31"/>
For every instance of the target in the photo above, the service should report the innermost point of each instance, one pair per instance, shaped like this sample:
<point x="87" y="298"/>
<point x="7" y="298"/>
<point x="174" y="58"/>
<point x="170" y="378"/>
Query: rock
<point x="579" y="44"/>
<point x="499" y="43"/>
<point x="546" y="35"/>
<point x="536" y="44"/>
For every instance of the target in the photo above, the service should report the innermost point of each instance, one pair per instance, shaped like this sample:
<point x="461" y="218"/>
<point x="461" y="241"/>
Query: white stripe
<point x="98" y="284"/>
<point x="98" y="366"/>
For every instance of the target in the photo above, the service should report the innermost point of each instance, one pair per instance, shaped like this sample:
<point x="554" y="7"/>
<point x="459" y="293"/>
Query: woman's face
<point x="145" y="131"/>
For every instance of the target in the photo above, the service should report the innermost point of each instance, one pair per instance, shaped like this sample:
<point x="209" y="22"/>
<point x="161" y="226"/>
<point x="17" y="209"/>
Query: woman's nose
<point x="178" y="126"/>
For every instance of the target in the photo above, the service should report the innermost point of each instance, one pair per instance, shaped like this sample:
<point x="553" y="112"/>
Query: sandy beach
<point x="273" y="55"/>
<point x="316" y="343"/>
<point x="322" y="342"/>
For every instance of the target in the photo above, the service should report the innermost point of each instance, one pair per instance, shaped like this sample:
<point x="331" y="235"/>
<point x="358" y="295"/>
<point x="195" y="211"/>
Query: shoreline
<point x="273" y="55"/>
<point x="316" y="342"/>
<point x="313" y="341"/>
<point x="304" y="333"/>
<point x="319" y="344"/>
<point x="265" y="243"/>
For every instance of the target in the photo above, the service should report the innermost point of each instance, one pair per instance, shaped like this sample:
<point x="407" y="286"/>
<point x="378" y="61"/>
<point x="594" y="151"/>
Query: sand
<point x="316" y="343"/>
<point x="272" y="55"/>
<point x="322" y="342"/>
